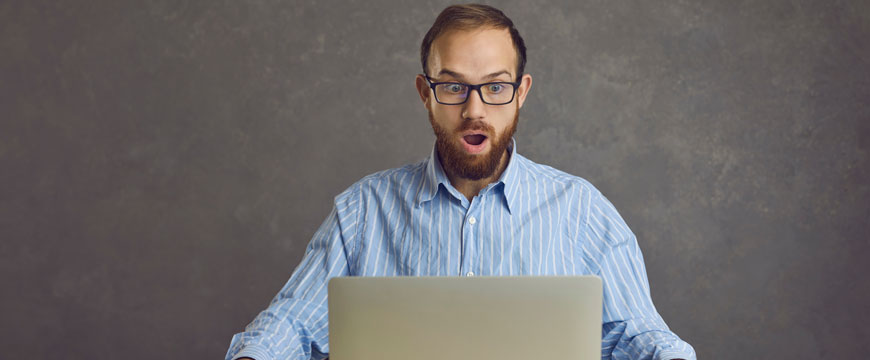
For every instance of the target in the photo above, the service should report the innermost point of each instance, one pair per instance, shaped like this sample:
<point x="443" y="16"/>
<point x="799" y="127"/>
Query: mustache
<point x="476" y="125"/>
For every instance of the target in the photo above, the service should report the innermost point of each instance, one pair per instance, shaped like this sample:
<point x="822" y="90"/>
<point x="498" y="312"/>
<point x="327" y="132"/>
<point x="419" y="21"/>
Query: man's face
<point x="472" y="137"/>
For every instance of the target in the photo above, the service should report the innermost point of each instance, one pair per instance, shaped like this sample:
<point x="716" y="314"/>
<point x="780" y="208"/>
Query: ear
<point x="423" y="90"/>
<point x="523" y="90"/>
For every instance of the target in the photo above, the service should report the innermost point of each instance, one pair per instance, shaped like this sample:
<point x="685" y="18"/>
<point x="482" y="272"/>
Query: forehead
<point x="473" y="53"/>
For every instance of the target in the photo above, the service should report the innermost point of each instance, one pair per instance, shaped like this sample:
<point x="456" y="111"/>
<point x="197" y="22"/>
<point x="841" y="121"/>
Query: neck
<point x="470" y="188"/>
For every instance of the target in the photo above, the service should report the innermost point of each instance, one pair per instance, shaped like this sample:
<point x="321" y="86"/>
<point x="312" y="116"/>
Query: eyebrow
<point x="460" y="77"/>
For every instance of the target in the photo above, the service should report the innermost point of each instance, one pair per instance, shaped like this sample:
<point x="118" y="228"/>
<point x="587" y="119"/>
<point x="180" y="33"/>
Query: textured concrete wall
<point x="164" y="163"/>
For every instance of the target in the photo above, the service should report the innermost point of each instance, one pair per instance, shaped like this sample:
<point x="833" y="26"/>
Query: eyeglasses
<point x="456" y="93"/>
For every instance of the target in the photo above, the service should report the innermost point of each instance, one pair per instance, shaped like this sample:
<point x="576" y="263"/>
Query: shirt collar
<point x="435" y="176"/>
<point x="510" y="178"/>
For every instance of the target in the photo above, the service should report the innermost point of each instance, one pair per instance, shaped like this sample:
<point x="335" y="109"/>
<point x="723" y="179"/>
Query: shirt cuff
<point x="256" y="352"/>
<point x="668" y="355"/>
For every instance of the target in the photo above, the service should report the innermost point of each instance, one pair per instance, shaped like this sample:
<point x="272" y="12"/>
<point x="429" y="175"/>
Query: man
<point x="473" y="207"/>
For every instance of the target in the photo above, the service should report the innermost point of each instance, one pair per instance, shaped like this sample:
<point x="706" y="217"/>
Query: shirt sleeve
<point x="294" y="326"/>
<point x="632" y="328"/>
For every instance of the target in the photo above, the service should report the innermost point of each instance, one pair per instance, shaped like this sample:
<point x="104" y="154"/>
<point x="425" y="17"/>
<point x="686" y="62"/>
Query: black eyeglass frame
<point x="470" y="87"/>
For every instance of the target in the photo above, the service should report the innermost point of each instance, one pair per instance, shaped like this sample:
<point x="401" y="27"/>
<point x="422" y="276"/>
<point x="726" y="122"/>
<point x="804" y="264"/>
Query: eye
<point x="495" y="88"/>
<point x="455" y="88"/>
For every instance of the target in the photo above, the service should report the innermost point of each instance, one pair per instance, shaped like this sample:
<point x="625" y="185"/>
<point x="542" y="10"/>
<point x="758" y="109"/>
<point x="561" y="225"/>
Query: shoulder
<point x="534" y="173"/>
<point x="596" y="214"/>
<point x="384" y="183"/>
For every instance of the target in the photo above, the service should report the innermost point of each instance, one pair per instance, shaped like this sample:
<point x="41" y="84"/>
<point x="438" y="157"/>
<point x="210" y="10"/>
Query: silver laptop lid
<point x="429" y="318"/>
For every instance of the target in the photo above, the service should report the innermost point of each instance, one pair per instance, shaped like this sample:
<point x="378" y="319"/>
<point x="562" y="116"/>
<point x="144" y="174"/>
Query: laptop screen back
<point x="429" y="318"/>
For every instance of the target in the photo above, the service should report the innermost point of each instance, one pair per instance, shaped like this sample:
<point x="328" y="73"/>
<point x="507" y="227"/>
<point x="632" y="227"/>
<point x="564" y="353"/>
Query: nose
<point x="474" y="108"/>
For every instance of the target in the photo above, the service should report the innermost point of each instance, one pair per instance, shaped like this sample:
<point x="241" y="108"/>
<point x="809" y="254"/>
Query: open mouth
<point x="474" y="143"/>
<point x="474" y="139"/>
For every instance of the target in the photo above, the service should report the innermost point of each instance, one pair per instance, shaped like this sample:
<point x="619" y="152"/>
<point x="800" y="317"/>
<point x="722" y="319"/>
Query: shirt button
<point x="470" y="273"/>
<point x="472" y="220"/>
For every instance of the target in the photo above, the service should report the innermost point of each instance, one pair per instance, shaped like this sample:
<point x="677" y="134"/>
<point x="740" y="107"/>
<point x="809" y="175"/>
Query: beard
<point x="473" y="167"/>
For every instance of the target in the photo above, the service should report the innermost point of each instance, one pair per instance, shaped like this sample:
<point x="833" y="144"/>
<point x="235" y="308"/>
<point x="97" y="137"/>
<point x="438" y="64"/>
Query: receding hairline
<point x="473" y="29"/>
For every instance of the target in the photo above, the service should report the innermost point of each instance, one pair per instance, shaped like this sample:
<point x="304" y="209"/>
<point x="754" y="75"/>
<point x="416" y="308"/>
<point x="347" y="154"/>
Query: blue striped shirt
<point x="410" y="221"/>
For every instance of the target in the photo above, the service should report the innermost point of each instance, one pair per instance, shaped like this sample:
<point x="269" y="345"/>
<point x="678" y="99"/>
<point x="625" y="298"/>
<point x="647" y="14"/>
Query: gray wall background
<point x="163" y="164"/>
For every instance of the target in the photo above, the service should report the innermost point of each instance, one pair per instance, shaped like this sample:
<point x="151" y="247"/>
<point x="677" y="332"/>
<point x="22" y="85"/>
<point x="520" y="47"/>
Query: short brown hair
<point x="471" y="16"/>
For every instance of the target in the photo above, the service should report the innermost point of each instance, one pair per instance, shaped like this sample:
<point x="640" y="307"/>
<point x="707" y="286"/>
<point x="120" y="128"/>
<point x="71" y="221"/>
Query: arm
<point x="294" y="326"/>
<point x="632" y="328"/>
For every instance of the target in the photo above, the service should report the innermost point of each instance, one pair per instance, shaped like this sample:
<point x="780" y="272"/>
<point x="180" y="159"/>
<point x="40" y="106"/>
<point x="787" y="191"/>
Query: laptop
<point x="457" y="318"/>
